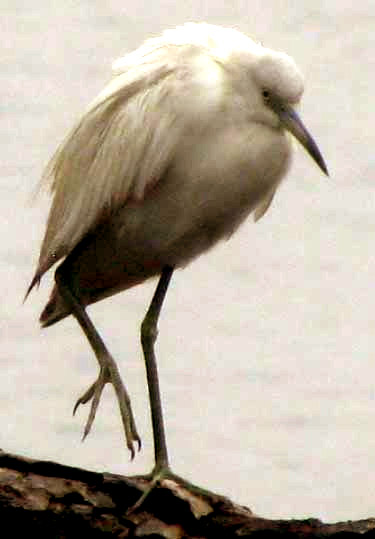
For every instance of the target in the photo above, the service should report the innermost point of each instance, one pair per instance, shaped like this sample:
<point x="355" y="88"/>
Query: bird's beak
<point x="293" y="123"/>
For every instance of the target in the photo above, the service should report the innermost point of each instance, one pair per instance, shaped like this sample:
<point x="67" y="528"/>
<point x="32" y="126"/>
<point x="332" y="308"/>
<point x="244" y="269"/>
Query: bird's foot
<point x="93" y="393"/>
<point x="156" y="479"/>
<point x="110" y="374"/>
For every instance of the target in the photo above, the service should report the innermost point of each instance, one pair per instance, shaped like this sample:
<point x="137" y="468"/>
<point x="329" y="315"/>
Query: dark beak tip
<point x="324" y="167"/>
<point x="325" y="170"/>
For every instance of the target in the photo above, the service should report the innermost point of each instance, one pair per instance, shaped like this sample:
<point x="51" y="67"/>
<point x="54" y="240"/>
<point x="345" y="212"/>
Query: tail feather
<point x="54" y="311"/>
<point x="35" y="281"/>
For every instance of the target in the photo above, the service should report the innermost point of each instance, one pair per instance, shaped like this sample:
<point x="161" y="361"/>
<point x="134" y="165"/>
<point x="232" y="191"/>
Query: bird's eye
<point x="265" y="94"/>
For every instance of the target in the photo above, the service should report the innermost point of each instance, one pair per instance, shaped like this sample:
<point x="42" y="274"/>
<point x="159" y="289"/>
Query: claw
<point x="77" y="404"/>
<point x="79" y="401"/>
<point x="94" y="394"/>
<point x="87" y="396"/>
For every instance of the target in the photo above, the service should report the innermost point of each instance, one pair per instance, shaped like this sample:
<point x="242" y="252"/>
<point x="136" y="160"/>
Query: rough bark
<point x="49" y="500"/>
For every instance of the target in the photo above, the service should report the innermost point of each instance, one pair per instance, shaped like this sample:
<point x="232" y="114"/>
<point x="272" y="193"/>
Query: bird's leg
<point x="108" y="369"/>
<point x="148" y="337"/>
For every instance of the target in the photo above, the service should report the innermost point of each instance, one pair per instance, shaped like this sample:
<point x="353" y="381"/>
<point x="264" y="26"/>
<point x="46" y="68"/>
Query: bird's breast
<point x="215" y="181"/>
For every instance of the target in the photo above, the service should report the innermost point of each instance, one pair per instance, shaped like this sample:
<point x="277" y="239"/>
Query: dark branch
<point x="46" y="499"/>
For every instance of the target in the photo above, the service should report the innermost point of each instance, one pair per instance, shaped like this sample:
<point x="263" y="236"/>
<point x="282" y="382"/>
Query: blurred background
<point x="266" y="344"/>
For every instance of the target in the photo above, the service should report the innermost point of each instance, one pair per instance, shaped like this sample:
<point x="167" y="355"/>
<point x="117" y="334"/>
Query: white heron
<point x="190" y="136"/>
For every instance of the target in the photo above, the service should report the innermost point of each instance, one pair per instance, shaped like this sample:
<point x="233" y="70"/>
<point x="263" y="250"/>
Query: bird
<point x="193" y="133"/>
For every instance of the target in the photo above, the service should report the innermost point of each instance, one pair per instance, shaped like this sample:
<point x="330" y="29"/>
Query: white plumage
<point x="188" y="138"/>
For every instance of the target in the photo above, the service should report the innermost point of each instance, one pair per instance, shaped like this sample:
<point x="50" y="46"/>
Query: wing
<point x="116" y="153"/>
<point x="127" y="138"/>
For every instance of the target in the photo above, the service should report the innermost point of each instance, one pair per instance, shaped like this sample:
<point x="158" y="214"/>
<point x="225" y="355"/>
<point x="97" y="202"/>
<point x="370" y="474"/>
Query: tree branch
<point x="50" y="500"/>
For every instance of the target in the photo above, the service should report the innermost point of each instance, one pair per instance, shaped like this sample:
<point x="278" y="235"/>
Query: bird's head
<point x="279" y="86"/>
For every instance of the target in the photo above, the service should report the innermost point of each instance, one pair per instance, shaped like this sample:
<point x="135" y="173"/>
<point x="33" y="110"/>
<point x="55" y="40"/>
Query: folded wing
<point x="115" y="154"/>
